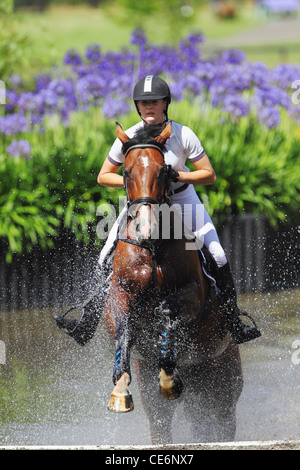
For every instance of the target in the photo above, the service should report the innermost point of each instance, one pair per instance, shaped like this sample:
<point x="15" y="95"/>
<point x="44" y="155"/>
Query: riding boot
<point x="240" y="332"/>
<point x="83" y="330"/>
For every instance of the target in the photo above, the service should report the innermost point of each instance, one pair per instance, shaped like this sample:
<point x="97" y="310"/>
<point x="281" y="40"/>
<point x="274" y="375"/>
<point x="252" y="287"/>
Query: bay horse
<point x="163" y="308"/>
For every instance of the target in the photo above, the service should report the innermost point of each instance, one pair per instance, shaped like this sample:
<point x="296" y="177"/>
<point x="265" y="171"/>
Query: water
<point x="54" y="392"/>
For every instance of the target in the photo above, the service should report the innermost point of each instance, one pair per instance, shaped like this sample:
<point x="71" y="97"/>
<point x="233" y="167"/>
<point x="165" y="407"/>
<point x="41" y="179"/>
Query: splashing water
<point x="53" y="392"/>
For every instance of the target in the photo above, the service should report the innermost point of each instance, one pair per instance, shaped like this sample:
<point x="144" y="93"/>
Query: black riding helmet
<point x="152" y="87"/>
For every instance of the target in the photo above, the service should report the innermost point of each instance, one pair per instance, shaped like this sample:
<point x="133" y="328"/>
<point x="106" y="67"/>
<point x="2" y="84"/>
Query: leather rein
<point x="148" y="201"/>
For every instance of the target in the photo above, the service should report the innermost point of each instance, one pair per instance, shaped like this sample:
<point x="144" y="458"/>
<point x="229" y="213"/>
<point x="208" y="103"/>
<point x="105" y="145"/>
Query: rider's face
<point x="152" y="111"/>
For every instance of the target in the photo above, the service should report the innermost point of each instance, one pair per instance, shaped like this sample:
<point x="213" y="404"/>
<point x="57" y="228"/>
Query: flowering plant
<point x="57" y="133"/>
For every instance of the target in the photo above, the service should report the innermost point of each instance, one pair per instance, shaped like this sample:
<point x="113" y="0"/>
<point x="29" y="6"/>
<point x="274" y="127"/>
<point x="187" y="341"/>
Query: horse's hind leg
<point x="121" y="399"/>
<point x="171" y="385"/>
<point x="158" y="410"/>
<point x="228" y="386"/>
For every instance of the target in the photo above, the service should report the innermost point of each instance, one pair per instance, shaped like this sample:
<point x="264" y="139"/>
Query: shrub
<point x="56" y="135"/>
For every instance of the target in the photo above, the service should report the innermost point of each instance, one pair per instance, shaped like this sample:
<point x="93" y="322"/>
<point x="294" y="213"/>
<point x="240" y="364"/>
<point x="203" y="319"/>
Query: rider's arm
<point x="108" y="176"/>
<point x="204" y="173"/>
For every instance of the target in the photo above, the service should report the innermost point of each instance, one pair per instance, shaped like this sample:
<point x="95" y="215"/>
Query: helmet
<point x="152" y="87"/>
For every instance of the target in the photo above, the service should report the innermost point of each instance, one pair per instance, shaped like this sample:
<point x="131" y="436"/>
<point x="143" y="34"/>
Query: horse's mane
<point x="143" y="136"/>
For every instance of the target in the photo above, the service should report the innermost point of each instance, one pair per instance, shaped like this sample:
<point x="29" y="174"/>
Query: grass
<point x="274" y="54"/>
<point x="63" y="27"/>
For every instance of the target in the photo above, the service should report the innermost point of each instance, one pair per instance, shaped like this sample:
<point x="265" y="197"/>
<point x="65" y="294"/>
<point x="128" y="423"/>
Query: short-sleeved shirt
<point x="182" y="144"/>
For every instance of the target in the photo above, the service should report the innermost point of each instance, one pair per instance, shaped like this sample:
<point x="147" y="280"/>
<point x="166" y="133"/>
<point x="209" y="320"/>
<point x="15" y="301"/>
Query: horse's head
<point x="145" y="177"/>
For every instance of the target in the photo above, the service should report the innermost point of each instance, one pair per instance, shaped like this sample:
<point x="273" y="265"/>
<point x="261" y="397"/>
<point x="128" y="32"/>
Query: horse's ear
<point x="165" y="134"/>
<point x="121" y="134"/>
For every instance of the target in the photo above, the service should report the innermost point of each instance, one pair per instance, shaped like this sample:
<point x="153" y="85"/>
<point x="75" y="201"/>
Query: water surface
<point x="54" y="392"/>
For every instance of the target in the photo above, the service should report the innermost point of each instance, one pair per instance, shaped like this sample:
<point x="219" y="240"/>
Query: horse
<point x="164" y="310"/>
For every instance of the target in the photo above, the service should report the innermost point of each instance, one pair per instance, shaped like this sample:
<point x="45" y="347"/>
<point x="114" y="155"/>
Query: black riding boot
<point x="241" y="333"/>
<point x="83" y="330"/>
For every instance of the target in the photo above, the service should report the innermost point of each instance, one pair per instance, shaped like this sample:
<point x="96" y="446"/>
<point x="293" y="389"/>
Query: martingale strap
<point x="151" y="248"/>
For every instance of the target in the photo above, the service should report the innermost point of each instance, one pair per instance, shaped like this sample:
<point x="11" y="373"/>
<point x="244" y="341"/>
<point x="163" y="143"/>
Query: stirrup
<point x="67" y="325"/>
<point x="245" y="314"/>
<point x="80" y="330"/>
<point x="242" y="333"/>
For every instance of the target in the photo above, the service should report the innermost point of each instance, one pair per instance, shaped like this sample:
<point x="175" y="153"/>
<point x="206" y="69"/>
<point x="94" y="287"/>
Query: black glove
<point x="172" y="174"/>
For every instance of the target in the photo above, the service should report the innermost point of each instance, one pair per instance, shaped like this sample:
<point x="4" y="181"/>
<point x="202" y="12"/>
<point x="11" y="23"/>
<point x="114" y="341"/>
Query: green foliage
<point x="56" y="187"/>
<point x="256" y="167"/>
<point x="14" y="45"/>
<point x="257" y="171"/>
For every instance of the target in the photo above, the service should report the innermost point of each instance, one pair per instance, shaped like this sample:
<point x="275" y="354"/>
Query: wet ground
<point x="53" y="392"/>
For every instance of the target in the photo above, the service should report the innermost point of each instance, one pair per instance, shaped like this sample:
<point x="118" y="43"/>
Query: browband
<point x="143" y="146"/>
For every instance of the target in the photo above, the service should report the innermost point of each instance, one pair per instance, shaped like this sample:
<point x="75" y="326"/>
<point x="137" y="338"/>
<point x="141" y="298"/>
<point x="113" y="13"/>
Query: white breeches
<point x="195" y="218"/>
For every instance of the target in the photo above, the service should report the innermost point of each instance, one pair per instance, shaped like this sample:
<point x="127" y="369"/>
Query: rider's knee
<point x="218" y="253"/>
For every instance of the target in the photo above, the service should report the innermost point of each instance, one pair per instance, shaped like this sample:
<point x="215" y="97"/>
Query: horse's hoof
<point x="120" y="403"/>
<point x="171" y="386"/>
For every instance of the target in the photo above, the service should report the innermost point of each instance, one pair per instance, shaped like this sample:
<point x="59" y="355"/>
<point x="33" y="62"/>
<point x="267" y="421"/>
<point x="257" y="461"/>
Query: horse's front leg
<point x="121" y="399"/>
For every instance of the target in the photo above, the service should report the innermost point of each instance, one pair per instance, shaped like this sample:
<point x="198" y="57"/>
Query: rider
<point x="152" y="97"/>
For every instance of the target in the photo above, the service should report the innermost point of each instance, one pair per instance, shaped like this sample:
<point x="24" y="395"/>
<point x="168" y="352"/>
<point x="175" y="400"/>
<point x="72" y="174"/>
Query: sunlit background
<point x="66" y="75"/>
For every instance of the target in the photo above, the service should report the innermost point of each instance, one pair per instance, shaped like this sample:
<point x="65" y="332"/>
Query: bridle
<point x="155" y="245"/>
<point x="147" y="200"/>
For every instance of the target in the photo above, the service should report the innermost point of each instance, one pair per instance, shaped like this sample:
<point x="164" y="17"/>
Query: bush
<point x="56" y="135"/>
<point x="14" y="46"/>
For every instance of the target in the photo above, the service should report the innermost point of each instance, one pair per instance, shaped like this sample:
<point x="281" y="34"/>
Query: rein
<point x="148" y="201"/>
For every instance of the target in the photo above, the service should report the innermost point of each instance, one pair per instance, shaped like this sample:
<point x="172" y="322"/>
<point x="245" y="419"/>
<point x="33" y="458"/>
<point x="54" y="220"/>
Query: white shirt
<point x="182" y="144"/>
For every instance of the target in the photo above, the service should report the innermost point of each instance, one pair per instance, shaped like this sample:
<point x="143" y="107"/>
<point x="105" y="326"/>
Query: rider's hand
<point x="173" y="174"/>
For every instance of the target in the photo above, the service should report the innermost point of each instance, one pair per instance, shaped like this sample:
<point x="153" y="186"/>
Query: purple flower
<point x="41" y="82"/>
<point x="72" y="57"/>
<point x="28" y="101"/>
<point x="12" y="99"/>
<point x="177" y="90"/>
<point x="196" y="37"/>
<point x="284" y="74"/>
<point x="258" y="73"/>
<point x="48" y="100"/>
<point x="269" y="116"/>
<point x="15" y="81"/>
<point x="235" y="106"/>
<point x="106" y="79"/>
<point x="91" y="89"/>
<point x="61" y="87"/>
<point x="271" y="96"/>
<point x="93" y="52"/>
<point x="139" y="38"/>
<point x="113" y="108"/>
<point x="13" y="124"/>
<point x="19" y="148"/>
<point x="217" y="92"/>
<point x="193" y="85"/>
<point x="233" y="56"/>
